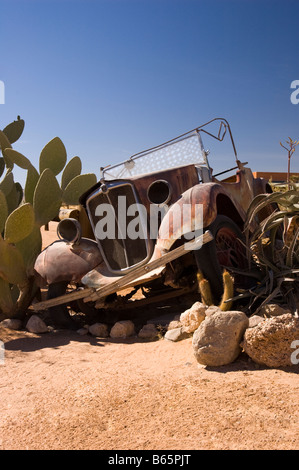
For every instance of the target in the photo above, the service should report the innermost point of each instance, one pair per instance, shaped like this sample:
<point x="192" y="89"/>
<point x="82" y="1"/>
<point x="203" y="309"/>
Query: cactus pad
<point x="3" y="211"/>
<point x="2" y="165"/>
<point x="30" y="247"/>
<point x="14" y="130"/>
<point x="17" y="158"/>
<point x="46" y="198"/>
<point x="7" y="183"/>
<point x="31" y="182"/>
<point x="12" y="267"/>
<point x="72" y="169"/>
<point x="19" y="223"/>
<point x="77" y="186"/>
<point x="53" y="156"/>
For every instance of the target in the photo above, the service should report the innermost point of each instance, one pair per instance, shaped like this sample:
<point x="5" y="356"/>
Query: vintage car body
<point x="174" y="175"/>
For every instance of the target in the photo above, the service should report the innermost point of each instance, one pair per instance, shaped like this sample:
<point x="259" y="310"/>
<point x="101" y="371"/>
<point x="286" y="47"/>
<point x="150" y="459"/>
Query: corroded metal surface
<point x="63" y="261"/>
<point x="230" y="199"/>
<point x="173" y="228"/>
<point x="188" y="185"/>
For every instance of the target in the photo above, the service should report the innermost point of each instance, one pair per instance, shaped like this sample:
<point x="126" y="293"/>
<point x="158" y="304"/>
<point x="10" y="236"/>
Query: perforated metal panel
<point x="183" y="152"/>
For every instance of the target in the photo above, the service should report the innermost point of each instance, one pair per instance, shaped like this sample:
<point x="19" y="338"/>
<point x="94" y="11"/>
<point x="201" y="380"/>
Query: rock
<point x="82" y="331"/>
<point x="255" y="320"/>
<point x="164" y="320"/>
<point x="192" y="318"/>
<point x="176" y="334"/>
<point x="12" y="324"/>
<point x="212" y="309"/>
<point x="122" y="329"/>
<point x="36" y="325"/>
<point x="270" y="342"/>
<point x="148" y="331"/>
<point x="99" y="329"/>
<point x="174" y="324"/>
<point x="273" y="310"/>
<point x="217" y="340"/>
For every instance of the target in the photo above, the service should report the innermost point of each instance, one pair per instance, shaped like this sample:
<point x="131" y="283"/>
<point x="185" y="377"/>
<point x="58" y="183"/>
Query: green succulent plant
<point x="274" y="248"/>
<point x="24" y="212"/>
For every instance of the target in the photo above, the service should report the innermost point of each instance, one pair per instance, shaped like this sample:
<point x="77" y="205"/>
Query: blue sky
<point x="114" y="77"/>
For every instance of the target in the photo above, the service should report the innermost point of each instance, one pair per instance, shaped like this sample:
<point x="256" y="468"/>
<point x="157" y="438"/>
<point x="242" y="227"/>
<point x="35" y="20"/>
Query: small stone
<point x="212" y="309"/>
<point x="192" y="318"/>
<point x="12" y="324"/>
<point x="254" y="321"/>
<point x="174" y="324"/>
<point x="122" y="329"/>
<point x="36" y="325"/>
<point x="273" y="310"/>
<point x="176" y="334"/>
<point x="99" y="329"/>
<point x="148" y="331"/>
<point x="82" y="331"/>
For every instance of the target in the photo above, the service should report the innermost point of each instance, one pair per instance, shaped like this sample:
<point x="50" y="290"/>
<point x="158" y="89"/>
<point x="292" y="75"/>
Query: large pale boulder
<point x="217" y="340"/>
<point x="272" y="342"/>
<point x="192" y="318"/>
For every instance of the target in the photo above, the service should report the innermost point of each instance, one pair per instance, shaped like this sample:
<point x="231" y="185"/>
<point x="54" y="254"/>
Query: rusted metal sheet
<point x="179" y="179"/>
<point x="91" y="294"/>
<point x="63" y="261"/>
<point x="120" y="265"/>
<point x="100" y="276"/>
<point x="172" y="228"/>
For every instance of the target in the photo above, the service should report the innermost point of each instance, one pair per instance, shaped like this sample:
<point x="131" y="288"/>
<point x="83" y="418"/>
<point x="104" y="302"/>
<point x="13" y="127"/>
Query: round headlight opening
<point x="159" y="192"/>
<point x="69" y="230"/>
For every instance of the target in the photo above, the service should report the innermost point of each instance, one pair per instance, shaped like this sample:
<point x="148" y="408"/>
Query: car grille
<point x="120" y="253"/>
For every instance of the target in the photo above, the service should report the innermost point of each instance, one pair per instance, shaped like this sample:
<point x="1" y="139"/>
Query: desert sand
<point x="60" y="390"/>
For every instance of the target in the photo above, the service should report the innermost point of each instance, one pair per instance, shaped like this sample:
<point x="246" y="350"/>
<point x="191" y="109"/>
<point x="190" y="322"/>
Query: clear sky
<point x="114" y="77"/>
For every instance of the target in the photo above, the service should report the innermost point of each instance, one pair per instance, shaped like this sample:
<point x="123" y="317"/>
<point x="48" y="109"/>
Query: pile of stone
<point x="270" y="339"/>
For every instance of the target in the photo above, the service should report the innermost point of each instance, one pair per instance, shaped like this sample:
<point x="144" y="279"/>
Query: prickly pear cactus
<point x="72" y="169"/>
<point x="53" y="156"/>
<point x="14" y="130"/>
<point x="24" y="212"/>
<point x="78" y="186"/>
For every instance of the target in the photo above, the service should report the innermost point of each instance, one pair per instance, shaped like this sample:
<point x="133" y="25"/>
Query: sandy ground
<point x="60" y="390"/>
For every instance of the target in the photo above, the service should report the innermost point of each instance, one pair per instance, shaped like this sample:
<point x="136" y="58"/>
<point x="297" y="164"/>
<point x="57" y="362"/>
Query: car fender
<point x="62" y="261"/>
<point x="207" y="194"/>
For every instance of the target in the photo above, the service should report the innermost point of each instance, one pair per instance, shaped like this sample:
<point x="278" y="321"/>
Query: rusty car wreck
<point x="93" y="271"/>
